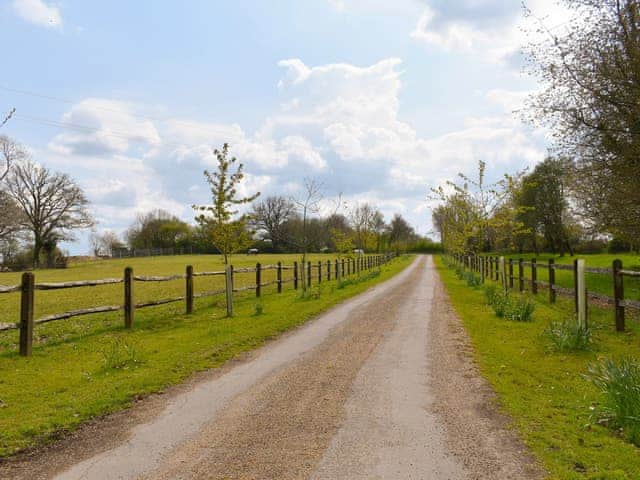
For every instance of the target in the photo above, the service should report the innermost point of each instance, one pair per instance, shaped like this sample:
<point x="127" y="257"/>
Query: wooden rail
<point x="28" y="287"/>
<point x="488" y="267"/>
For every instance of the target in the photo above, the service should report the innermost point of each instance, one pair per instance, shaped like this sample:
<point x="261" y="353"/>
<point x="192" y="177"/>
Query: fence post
<point x="279" y="277"/>
<point x="511" y="273"/>
<point x="129" y="306"/>
<point x="582" y="293"/>
<point x="503" y="272"/>
<point x="482" y="270"/>
<point x="498" y="270"/>
<point x="308" y="274"/>
<point x="618" y="295"/>
<point x="575" y="284"/>
<point x="319" y="271"/>
<point x="295" y="275"/>
<point x="552" y="281"/>
<point x="520" y="275"/>
<point x="26" y="314"/>
<point x="328" y="270"/>
<point x="228" y="276"/>
<point x="342" y="269"/>
<point x="189" y="290"/>
<point x="534" y="276"/>
<point x="258" y="279"/>
<point x="337" y="270"/>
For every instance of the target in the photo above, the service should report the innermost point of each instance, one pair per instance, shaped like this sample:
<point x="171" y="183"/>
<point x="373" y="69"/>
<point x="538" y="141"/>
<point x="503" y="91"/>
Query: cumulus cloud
<point x="101" y="127"/>
<point x="339" y="123"/>
<point x="38" y="12"/>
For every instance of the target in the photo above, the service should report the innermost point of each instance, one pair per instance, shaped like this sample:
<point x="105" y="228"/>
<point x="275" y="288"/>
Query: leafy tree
<point x="590" y="70"/>
<point x="401" y="234"/>
<point x="228" y="235"/>
<point x="544" y="198"/>
<point x="476" y="216"/>
<point x="158" y="229"/>
<point x="52" y="205"/>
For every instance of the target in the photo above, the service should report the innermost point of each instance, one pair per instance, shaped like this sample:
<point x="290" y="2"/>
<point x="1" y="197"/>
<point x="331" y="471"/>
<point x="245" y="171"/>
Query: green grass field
<point x="57" y="301"/>
<point x="88" y="366"/>
<point x="597" y="283"/>
<point x="548" y="394"/>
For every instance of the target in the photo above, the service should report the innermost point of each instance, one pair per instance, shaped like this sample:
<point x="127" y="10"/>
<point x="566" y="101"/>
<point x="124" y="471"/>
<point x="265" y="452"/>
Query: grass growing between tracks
<point x="547" y="393"/>
<point x="93" y="366"/>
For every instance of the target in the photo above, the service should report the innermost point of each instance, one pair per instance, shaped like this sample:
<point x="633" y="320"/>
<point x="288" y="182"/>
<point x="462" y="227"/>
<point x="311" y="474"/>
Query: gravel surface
<point x="382" y="386"/>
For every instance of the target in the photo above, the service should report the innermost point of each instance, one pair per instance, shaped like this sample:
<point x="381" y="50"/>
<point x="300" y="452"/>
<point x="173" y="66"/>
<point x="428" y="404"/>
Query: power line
<point x="104" y="132"/>
<point x="190" y="124"/>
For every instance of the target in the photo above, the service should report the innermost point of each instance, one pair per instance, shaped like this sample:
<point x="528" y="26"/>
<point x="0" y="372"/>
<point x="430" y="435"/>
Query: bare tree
<point x="52" y="205"/>
<point x="307" y="204"/>
<point x="10" y="219"/>
<point x="104" y="243"/>
<point x="271" y="215"/>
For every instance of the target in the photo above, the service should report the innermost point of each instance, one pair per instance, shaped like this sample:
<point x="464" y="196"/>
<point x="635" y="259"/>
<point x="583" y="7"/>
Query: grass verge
<point x="93" y="366"/>
<point x="548" y="393"/>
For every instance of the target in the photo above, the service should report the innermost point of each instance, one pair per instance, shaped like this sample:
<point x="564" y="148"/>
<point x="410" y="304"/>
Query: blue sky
<point x="377" y="100"/>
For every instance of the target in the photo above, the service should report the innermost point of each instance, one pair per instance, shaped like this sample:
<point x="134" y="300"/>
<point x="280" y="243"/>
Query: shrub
<point x="498" y="299"/>
<point x="521" y="310"/>
<point x="619" y="382"/>
<point x="258" y="308"/>
<point x="568" y="336"/>
<point x="472" y="279"/>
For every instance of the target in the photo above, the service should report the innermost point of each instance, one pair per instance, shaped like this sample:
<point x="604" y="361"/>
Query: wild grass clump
<point x="472" y="279"/>
<point x="258" y="308"/>
<point x="519" y="310"/>
<point x="619" y="382"/>
<point x="120" y="353"/>
<point x="568" y="336"/>
<point x="498" y="299"/>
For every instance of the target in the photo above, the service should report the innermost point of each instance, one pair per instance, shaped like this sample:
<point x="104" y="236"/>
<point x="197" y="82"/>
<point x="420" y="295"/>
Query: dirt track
<point x="380" y="387"/>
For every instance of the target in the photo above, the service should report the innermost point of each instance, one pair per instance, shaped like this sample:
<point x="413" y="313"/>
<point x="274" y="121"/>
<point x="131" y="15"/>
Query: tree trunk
<point x="37" y="248"/>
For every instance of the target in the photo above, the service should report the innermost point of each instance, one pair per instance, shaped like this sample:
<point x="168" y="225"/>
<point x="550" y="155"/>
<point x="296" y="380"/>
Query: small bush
<point x="472" y="279"/>
<point x="521" y="310"/>
<point x="120" y="353"/>
<point x="568" y="336"/>
<point x="258" y="308"/>
<point x="619" y="382"/>
<point x="498" y="299"/>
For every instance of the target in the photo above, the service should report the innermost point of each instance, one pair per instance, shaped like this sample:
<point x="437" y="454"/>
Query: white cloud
<point x="338" y="123"/>
<point x="38" y="12"/>
<point x="101" y="127"/>
<point x="493" y="29"/>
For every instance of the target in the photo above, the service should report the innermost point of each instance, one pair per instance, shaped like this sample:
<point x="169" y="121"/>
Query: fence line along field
<point x="96" y="287"/>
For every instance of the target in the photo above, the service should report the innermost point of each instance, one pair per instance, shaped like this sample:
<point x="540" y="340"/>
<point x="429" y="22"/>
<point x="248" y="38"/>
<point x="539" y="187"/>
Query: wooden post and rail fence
<point x="502" y="270"/>
<point x="28" y="287"/>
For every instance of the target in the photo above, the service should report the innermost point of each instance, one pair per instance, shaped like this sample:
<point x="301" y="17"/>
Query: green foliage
<point x="619" y="383"/>
<point x="258" y="308"/>
<point x="568" y="336"/>
<point x="518" y="309"/>
<point x="227" y="235"/>
<point x="346" y="282"/>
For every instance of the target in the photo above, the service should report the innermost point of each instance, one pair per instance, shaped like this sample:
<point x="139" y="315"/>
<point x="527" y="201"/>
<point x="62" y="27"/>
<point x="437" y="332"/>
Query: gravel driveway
<point x="370" y="389"/>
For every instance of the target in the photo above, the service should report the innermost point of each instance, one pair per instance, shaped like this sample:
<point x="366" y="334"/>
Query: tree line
<point x="586" y="194"/>
<point x="41" y="208"/>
